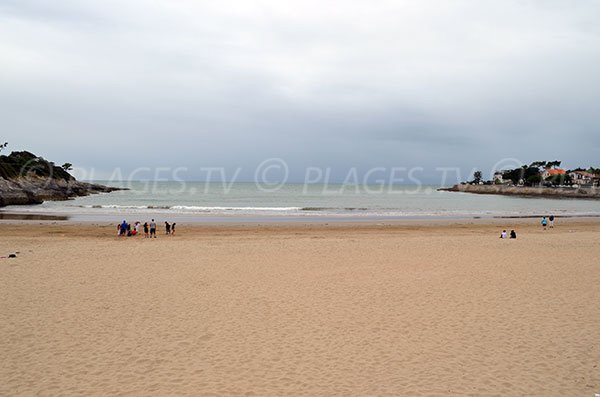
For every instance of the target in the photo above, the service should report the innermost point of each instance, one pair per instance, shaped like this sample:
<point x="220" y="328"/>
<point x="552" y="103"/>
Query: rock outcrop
<point x="35" y="190"/>
<point x="556" y="192"/>
<point x="28" y="179"/>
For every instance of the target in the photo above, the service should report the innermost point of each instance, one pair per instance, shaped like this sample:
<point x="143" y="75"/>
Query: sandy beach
<point x="404" y="309"/>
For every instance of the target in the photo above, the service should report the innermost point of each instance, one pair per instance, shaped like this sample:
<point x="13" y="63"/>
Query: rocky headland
<point x="550" y="192"/>
<point x="28" y="179"/>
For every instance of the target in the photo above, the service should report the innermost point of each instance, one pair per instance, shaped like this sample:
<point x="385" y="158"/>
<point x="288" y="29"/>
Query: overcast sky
<point x="340" y="84"/>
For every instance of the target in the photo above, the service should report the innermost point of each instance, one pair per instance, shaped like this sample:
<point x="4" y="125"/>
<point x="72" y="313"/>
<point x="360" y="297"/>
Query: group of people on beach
<point x="125" y="229"/>
<point x="513" y="234"/>
<point x="547" y="221"/>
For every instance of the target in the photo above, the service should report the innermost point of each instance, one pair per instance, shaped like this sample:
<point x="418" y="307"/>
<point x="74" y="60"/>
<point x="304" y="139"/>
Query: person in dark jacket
<point x="124" y="226"/>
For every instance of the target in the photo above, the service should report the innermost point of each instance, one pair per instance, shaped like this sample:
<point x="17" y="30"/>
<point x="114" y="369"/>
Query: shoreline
<point x="577" y="193"/>
<point x="102" y="228"/>
<point x="15" y="217"/>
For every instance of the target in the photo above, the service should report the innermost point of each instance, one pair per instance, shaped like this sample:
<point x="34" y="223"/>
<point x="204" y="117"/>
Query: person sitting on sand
<point x="146" y="229"/>
<point x="513" y="234"/>
<point x="544" y="222"/>
<point x="167" y="228"/>
<point x="503" y="234"/>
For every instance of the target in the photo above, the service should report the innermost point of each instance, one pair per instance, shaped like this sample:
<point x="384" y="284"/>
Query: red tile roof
<point x="556" y="171"/>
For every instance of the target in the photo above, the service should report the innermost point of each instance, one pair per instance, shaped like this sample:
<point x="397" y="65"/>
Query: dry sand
<point x="301" y="310"/>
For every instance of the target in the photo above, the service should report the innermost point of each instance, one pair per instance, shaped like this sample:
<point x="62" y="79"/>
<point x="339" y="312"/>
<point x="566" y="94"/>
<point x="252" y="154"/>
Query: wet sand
<point x="343" y="309"/>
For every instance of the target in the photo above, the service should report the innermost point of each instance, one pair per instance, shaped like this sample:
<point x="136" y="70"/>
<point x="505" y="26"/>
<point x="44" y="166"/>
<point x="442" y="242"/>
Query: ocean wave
<point x="252" y="209"/>
<point x="308" y="211"/>
<point x="192" y="208"/>
<point x="124" y="207"/>
<point x="334" y="209"/>
<point x="223" y="208"/>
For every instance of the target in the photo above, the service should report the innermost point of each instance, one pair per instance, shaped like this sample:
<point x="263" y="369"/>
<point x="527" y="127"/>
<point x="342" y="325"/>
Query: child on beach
<point x="513" y="234"/>
<point x="544" y="222"/>
<point x="173" y="228"/>
<point x="503" y="234"/>
<point x="146" y="229"/>
<point x="551" y="221"/>
<point x="167" y="228"/>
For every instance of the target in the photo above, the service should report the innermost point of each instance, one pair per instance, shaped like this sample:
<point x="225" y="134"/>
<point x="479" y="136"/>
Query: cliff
<point x="551" y="192"/>
<point x="28" y="179"/>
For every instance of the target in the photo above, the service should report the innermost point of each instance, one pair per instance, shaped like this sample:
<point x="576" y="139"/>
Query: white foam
<point x="249" y="209"/>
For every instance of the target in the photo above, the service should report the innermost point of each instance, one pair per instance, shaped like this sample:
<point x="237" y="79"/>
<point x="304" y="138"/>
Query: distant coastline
<point x="26" y="179"/>
<point x="528" y="191"/>
<point x="33" y="190"/>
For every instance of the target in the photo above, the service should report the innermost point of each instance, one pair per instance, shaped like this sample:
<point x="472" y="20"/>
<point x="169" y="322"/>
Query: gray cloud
<point x="341" y="84"/>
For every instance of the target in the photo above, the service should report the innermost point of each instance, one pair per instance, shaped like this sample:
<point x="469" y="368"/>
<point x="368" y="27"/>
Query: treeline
<point x="20" y="164"/>
<point x="533" y="174"/>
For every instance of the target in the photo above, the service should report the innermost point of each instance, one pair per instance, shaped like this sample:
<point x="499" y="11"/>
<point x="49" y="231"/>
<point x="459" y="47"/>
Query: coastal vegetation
<point x="540" y="179"/>
<point x="23" y="164"/>
<point x="29" y="179"/>
<point x="542" y="174"/>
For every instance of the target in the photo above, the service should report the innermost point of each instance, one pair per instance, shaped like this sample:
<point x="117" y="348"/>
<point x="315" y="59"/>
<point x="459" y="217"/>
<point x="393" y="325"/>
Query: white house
<point x="498" y="177"/>
<point x="583" y="177"/>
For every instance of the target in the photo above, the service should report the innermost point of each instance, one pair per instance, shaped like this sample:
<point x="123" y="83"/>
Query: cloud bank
<point x="337" y="84"/>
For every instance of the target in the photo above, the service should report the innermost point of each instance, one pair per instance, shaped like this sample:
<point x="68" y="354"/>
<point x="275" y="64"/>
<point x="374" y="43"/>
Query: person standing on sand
<point x="124" y="226"/>
<point x="167" y="228"/>
<point x="544" y="222"/>
<point x="173" y="228"/>
<point x="152" y="229"/>
<point x="146" y="229"/>
<point x="551" y="221"/>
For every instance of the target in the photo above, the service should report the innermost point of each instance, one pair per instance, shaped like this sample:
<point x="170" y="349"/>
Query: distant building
<point x="548" y="172"/>
<point x="583" y="177"/>
<point x="498" y="177"/>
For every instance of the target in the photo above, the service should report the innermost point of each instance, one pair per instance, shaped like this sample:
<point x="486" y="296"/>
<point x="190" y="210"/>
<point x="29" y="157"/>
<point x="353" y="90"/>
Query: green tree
<point x="477" y="176"/>
<point x="534" y="179"/>
<point x="553" y="164"/>
<point x="555" y="180"/>
<point x="67" y="166"/>
<point x="538" y="164"/>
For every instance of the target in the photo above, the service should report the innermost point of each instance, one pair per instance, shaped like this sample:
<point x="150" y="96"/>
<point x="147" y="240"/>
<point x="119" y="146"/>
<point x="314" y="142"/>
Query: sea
<point x="223" y="202"/>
